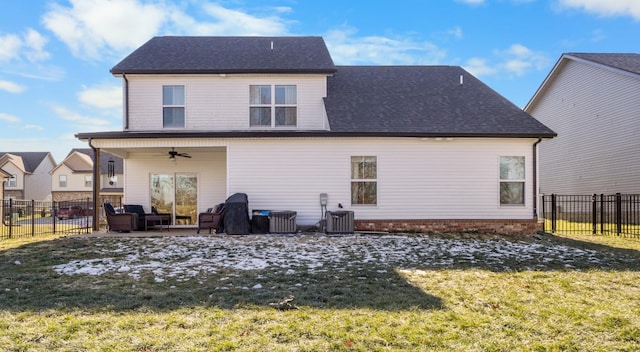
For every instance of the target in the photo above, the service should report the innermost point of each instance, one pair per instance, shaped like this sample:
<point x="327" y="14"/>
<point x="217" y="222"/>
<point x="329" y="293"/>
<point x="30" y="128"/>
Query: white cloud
<point x="93" y="28"/>
<point x="348" y="49"/>
<point x="103" y="97"/>
<point x="456" y="32"/>
<point x="9" y="47"/>
<point x="11" y="87"/>
<point x="34" y="127"/>
<point x="8" y="118"/>
<point x="479" y="67"/>
<point x="605" y="7"/>
<point x="88" y="26"/>
<point x="235" y="22"/>
<point x="79" y="121"/>
<point x="34" y="43"/>
<point x="517" y="60"/>
<point x="28" y="46"/>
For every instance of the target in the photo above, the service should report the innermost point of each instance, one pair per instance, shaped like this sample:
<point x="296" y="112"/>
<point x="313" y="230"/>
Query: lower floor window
<point x="364" y="180"/>
<point x="512" y="180"/>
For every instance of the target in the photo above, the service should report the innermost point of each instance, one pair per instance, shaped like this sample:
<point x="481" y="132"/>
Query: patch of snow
<point x="183" y="258"/>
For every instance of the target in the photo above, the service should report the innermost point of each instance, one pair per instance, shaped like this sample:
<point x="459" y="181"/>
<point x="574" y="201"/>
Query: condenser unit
<point x="282" y="222"/>
<point x="340" y="221"/>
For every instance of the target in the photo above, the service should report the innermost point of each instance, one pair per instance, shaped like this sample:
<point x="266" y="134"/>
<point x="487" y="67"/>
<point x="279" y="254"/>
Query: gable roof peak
<point x="217" y="55"/>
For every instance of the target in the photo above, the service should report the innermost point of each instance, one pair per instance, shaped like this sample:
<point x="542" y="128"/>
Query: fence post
<point x="10" y="217"/>
<point x="544" y="214"/>
<point x="54" y="214"/>
<point x="618" y="214"/>
<point x="553" y="212"/>
<point x="33" y="218"/>
<point x="602" y="213"/>
<point x="594" y="215"/>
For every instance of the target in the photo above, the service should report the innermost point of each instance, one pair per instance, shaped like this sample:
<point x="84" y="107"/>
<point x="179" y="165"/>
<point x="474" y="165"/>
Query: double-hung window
<point x="172" y="106"/>
<point x="88" y="180"/>
<point x="364" y="180"/>
<point x="512" y="180"/>
<point x="273" y="106"/>
<point x="62" y="180"/>
<point x="13" y="181"/>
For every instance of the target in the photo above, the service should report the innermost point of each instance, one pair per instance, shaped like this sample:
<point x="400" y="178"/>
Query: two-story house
<point x="593" y="101"/>
<point x="423" y="148"/>
<point x="73" y="178"/>
<point x="29" y="174"/>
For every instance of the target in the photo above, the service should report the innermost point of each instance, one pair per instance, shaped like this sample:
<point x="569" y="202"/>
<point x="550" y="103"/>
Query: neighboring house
<point x="421" y="148"/>
<point x="73" y="178"/>
<point x="4" y="177"/>
<point x="593" y="102"/>
<point x="29" y="174"/>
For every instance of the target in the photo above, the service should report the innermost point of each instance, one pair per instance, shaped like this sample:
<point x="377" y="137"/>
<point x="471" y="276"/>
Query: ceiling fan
<point x="173" y="153"/>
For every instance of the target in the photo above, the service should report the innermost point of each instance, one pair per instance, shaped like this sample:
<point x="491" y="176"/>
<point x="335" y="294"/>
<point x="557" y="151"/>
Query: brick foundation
<point x="502" y="227"/>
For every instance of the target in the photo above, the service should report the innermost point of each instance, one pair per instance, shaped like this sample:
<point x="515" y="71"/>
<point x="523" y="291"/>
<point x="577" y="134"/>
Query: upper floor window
<point x="13" y="181"/>
<point x="62" y="180"/>
<point x="172" y="106"/>
<point x="364" y="176"/>
<point x="87" y="180"/>
<point x="512" y="180"/>
<point x="273" y="106"/>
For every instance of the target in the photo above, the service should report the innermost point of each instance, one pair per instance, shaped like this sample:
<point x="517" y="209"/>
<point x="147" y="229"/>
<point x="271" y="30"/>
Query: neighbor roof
<point x="31" y="160"/>
<point x="118" y="164"/>
<point x="624" y="61"/>
<point x="229" y="55"/>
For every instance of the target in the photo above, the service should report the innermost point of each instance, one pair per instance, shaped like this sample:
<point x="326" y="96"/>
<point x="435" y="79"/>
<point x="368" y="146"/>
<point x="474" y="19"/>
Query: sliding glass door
<point x="176" y="194"/>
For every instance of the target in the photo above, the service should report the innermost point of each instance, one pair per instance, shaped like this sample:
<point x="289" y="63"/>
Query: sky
<point x="55" y="55"/>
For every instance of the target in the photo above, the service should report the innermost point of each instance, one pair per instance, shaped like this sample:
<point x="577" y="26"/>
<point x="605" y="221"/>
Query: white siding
<point x="210" y="167"/>
<point x="595" y="113"/>
<point x="217" y="103"/>
<point x="417" y="179"/>
<point x="38" y="184"/>
<point x="75" y="181"/>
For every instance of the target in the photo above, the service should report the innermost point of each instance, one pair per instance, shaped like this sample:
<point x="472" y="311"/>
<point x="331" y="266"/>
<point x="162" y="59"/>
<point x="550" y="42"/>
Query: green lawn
<point x="361" y="293"/>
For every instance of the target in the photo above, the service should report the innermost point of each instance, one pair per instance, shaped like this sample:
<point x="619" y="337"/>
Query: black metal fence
<point x="24" y="218"/>
<point x="617" y="214"/>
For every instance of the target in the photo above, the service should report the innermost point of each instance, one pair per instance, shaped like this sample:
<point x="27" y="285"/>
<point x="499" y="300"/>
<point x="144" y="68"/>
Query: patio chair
<point x="211" y="219"/>
<point x="139" y="210"/>
<point x="123" y="222"/>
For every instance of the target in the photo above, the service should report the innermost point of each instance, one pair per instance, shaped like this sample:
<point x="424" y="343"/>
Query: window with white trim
<point x="512" y="180"/>
<point x="273" y="106"/>
<point x="62" y="180"/>
<point x="13" y="181"/>
<point x="173" y="106"/>
<point x="364" y="180"/>
<point x="88" y="180"/>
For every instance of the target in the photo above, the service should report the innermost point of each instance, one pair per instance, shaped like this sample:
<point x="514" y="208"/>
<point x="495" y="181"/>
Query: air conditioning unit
<point x="340" y="221"/>
<point x="282" y="222"/>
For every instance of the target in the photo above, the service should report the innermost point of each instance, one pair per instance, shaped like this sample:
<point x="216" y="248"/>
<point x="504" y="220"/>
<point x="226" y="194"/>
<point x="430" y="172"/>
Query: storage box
<point x="282" y="222"/>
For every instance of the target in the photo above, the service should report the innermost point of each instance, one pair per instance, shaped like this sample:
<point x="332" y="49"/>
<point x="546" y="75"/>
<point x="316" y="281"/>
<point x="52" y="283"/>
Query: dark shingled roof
<point x="423" y="100"/>
<point x="118" y="165"/>
<point x="229" y="55"/>
<point x="31" y="160"/>
<point x="624" y="61"/>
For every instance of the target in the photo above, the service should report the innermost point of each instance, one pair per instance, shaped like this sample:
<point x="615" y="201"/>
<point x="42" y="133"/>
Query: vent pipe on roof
<point x="272" y="45"/>
<point x="461" y="79"/>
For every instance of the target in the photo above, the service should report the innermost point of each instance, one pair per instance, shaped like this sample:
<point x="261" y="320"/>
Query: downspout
<point x="126" y="102"/>
<point x="535" y="178"/>
<point x="96" y="186"/>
